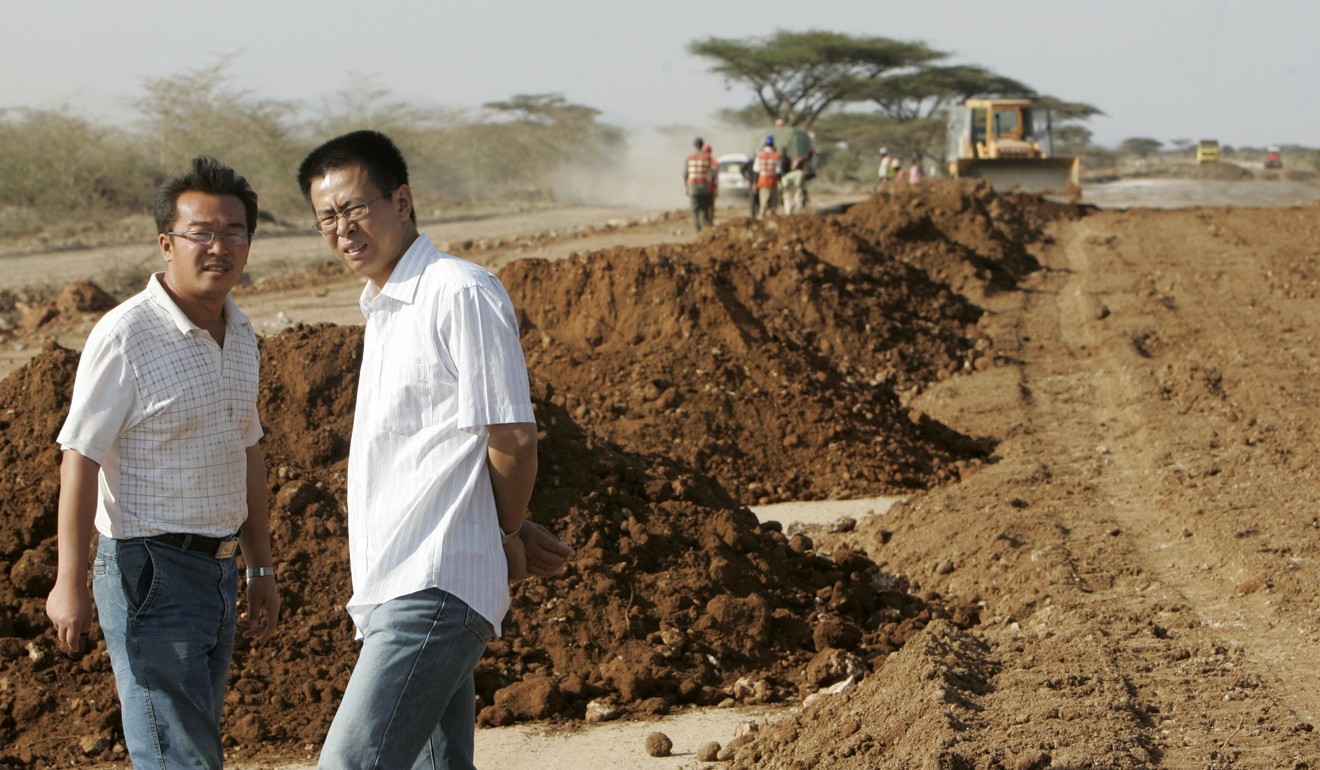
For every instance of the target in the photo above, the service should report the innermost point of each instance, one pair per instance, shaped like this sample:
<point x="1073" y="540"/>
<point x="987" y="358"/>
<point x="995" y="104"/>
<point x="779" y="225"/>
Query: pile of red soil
<point x="678" y="595"/>
<point x="959" y="232"/>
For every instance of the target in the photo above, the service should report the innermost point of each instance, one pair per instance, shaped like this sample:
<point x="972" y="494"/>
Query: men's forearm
<point x="255" y="537"/>
<point x="76" y="515"/>
<point x="511" y="457"/>
<point x="69" y="605"/>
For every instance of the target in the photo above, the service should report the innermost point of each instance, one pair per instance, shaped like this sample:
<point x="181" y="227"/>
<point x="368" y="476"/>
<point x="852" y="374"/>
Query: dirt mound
<point x="678" y="594"/>
<point x="959" y="232"/>
<point x="766" y="354"/>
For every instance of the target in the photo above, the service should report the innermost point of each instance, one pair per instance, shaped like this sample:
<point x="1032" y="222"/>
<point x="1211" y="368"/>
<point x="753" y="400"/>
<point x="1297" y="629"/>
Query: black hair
<point x="209" y="176"/>
<point x="372" y="150"/>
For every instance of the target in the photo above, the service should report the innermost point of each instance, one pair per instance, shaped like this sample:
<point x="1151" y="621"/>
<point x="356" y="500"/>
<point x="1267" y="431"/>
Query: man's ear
<point x="166" y="246"/>
<point x="403" y="199"/>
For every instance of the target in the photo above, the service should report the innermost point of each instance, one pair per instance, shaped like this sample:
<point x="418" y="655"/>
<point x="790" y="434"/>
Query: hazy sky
<point x="1242" y="71"/>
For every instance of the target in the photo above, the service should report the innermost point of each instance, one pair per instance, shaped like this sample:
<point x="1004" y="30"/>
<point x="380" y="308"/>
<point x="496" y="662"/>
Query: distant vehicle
<point x="1273" y="157"/>
<point x="1207" y="151"/>
<point x="731" y="177"/>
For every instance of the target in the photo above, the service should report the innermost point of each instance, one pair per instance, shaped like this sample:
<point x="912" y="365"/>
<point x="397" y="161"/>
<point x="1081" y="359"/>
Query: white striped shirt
<point x="168" y="415"/>
<point x="440" y="362"/>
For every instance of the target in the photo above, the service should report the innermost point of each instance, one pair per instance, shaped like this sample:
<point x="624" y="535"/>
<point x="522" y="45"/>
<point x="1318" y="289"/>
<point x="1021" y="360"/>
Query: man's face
<point x="205" y="272"/>
<point x="370" y="246"/>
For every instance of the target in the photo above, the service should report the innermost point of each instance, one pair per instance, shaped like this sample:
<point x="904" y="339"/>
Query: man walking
<point x="767" y="178"/>
<point x="699" y="180"/>
<point x="440" y="472"/>
<point x="886" y="167"/>
<point x="161" y="458"/>
<point x="709" y="152"/>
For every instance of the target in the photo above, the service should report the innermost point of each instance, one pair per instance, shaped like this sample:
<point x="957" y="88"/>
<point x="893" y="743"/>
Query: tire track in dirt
<point x="1208" y="621"/>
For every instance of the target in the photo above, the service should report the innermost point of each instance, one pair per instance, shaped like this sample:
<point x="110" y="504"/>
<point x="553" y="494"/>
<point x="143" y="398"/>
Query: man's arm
<point x="263" y="596"/>
<point x="69" y="605"/>
<point x="511" y="456"/>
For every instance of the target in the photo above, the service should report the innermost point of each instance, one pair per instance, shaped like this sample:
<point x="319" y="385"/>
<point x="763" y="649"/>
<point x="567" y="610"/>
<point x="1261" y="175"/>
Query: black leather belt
<point x="217" y="547"/>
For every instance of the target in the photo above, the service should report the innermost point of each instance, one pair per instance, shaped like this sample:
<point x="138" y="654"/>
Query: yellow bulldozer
<point x="1010" y="143"/>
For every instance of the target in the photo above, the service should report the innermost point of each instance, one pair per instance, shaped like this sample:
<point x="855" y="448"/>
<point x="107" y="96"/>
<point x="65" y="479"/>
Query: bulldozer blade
<point x="1047" y="176"/>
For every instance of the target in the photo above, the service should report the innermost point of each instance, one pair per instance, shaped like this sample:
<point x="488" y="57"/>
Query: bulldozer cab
<point x="1009" y="142"/>
<point x="1007" y="128"/>
<point x="1000" y="121"/>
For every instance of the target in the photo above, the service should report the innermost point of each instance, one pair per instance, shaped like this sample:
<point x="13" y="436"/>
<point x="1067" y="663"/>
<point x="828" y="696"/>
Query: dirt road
<point x="1141" y="545"/>
<point x="1145" y="546"/>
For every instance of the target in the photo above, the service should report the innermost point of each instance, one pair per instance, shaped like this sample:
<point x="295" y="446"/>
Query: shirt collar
<point x="156" y="290"/>
<point x="402" y="284"/>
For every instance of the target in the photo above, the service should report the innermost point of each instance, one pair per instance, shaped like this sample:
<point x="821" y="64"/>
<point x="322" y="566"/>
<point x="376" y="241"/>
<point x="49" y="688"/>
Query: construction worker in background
<point x="914" y="170"/>
<point x="698" y="179"/>
<point x="793" y="185"/>
<point x="767" y="178"/>
<point x="709" y="152"/>
<point x="749" y="173"/>
<point x="886" y="166"/>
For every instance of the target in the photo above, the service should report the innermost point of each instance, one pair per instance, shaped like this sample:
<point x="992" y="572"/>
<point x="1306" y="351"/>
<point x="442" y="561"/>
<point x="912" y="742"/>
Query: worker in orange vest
<point x="699" y="181"/>
<point x="767" y="178"/>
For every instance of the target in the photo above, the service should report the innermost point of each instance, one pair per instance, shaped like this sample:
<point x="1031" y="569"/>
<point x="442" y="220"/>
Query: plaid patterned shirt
<point x="168" y="415"/>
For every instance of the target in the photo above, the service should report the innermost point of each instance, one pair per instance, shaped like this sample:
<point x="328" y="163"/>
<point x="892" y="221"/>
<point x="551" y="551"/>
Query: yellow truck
<point x="1207" y="151"/>
<point x="1010" y="142"/>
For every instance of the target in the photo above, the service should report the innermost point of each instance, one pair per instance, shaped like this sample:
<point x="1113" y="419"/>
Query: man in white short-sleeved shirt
<point x="161" y="458"/>
<point x="440" y="471"/>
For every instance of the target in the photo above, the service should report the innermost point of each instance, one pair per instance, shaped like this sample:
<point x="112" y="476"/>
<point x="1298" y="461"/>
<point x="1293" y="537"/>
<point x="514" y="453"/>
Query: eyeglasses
<point x="206" y="237"/>
<point x="329" y="222"/>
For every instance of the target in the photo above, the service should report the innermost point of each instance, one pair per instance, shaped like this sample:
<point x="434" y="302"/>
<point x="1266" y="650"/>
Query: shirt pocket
<point x="412" y="403"/>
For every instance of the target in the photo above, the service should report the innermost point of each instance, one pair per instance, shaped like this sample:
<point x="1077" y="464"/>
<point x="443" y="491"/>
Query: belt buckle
<point x="226" y="549"/>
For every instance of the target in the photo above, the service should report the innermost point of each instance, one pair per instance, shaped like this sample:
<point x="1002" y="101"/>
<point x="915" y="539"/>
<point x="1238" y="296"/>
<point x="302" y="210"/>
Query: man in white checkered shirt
<point x="161" y="458"/>
<point x="440" y="469"/>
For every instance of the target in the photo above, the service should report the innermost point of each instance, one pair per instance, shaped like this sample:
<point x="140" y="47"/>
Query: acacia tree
<point x="798" y="76"/>
<point x="927" y="91"/>
<point x="552" y="129"/>
<point x="1071" y="139"/>
<point x="1068" y="112"/>
<point x="525" y="140"/>
<point x="808" y="80"/>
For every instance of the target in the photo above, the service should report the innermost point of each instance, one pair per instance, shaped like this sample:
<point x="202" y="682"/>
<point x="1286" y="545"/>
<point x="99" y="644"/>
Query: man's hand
<point x="545" y="554"/>
<point x="69" y="607"/>
<point x="263" y="613"/>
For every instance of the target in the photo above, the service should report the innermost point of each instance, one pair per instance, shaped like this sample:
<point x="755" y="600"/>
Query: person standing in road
<point x="161" y="457"/>
<point x="749" y="173"/>
<point x="709" y="152"/>
<point x="767" y="178"/>
<point x="886" y="167"/>
<point x="440" y="469"/>
<point x="698" y="179"/>
<point x="914" y="170"/>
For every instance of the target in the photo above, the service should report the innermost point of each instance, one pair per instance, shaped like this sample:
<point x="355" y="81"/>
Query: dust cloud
<point x="648" y="173"/>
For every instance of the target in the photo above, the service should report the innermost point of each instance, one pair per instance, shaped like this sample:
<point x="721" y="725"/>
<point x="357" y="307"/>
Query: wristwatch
<point x="505" y="537"/>
<point x="260" y="572"/>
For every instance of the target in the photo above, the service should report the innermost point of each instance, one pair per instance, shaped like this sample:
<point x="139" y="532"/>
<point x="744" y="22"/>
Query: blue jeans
<point x="411" y="702"/>
<point x="168" y="618"/>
